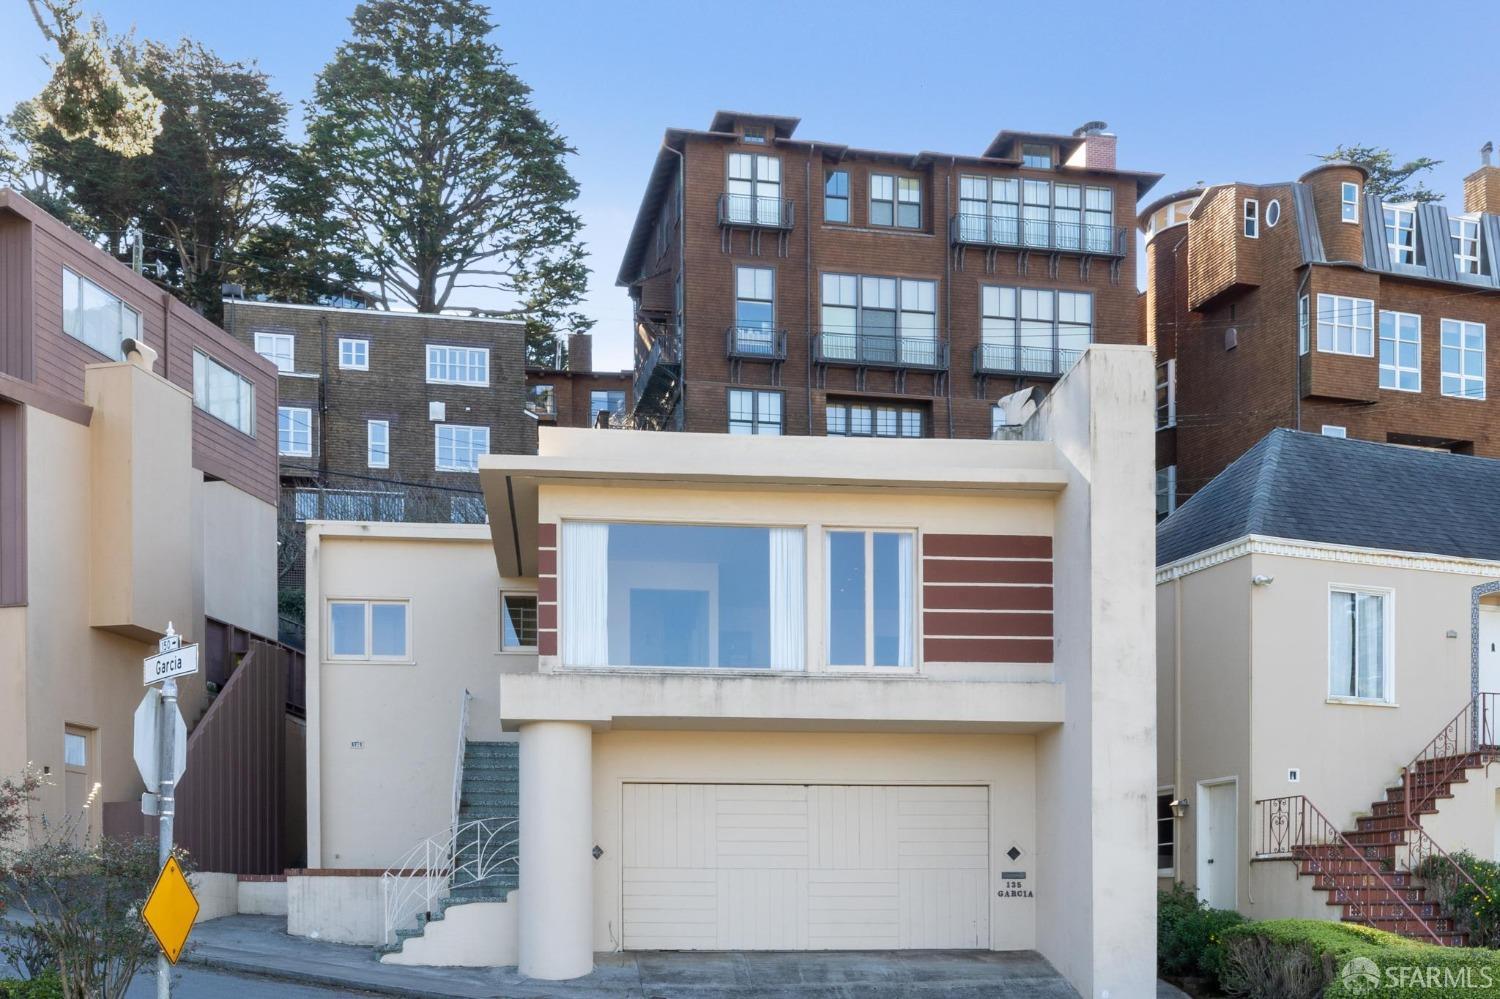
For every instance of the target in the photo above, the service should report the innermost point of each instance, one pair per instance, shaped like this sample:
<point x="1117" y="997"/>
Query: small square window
<point x="518" y="622"/>
<point x="278" y="348"/>
<point x="75" y="750"/>
<point x="368" y="629"/>
<point x="354" y="355"/>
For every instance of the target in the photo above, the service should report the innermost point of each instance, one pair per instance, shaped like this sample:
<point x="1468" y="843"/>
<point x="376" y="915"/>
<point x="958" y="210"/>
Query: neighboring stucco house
<point x="1328" y="614"/>
<point x="131" y="495"/>
<point x="767" y="693"/>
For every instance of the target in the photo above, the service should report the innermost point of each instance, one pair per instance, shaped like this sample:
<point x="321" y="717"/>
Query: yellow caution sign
<point x="171" y="909"/>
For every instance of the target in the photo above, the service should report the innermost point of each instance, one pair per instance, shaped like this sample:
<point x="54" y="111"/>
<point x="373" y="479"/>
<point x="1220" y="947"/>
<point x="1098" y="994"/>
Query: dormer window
<point x="755" y="134"/>
<point x="1401" y="233"/>
<point x="1252" y="218"/>
<point x="1465" y="233"/>
<point x="1038" y="157"/>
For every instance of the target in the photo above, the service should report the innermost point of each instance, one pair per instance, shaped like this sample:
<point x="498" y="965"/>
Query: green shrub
<point x="1477" y="912"/>
<point x="1189" y="935"/>
<point x="1316" y="959"/>
<point x="46" y="987"/>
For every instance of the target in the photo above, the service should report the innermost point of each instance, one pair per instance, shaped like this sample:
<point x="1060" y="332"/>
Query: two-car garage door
<point x="805" y="867"/>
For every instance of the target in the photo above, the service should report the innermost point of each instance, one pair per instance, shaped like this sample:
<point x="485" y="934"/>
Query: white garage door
<point x="805" y="867"/>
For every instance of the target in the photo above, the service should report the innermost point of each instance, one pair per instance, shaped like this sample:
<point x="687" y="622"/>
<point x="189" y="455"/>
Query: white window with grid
<point x="459" y="448"/>
<point x="1401" y="233"/>
<point x="354" y="354"/>
<point x="1465" y="235"/>
<point x="294" y="431"/>
<point x="1349" y="202"/>
<point x="278" y="348"/>
<point x="457" y="365"/>
<point x="1346" y="325"/>
<point x="1400" y="351"/>
<point x="378" y="443"/>
<point x="1252" y="218"/>
<point x="1462" y="351"/>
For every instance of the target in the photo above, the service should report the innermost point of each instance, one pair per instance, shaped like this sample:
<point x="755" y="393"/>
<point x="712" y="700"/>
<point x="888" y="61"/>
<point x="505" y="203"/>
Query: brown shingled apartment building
<point x="1314" y="305"/>
<point x="785" y="285"/>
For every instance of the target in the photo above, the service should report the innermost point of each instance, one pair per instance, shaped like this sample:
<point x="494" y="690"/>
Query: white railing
<point x="458" y="755"/>
<point x="465" y="854"/>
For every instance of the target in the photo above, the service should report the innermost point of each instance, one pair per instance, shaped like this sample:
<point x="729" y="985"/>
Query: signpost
<point x="161" y="756"/>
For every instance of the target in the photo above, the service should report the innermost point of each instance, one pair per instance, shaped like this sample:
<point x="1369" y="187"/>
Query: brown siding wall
<point x="987" y="598"/>
<point x="232" y="797"/>
<point x="573" y="392"/>
<point x="15" y="296"/>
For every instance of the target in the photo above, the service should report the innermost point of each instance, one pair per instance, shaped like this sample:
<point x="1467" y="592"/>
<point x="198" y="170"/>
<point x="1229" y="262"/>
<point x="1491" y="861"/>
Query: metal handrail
<point x="1005" y="358"/>
<point x="428" y="872"/>
<point x="889" y="350"/>
<point x="1021" y="233"/>
<point x="458" y="755"/>
<point x="1292" y="822"/>
<point x="755" y="342"/>
<point x="1470" y="733"/>
<point x="1425" y="848"/>
<point x="756" y="210"/>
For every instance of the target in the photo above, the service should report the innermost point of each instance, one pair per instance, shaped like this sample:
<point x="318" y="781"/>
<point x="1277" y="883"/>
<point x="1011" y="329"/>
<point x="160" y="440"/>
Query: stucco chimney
<point x="1482" y="187"/>
<point x="580" y="353"/>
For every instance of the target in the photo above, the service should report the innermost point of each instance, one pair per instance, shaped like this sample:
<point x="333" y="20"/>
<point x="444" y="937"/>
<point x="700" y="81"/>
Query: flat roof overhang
<point x="663" y="460"/>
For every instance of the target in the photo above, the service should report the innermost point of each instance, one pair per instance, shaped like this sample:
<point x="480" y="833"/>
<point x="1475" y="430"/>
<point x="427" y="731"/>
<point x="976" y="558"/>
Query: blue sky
<point x="1197" y="91"/>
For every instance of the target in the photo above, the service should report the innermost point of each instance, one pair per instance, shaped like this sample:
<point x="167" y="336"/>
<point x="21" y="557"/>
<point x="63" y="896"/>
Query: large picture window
<point x="1462" y="354"/>
<point x="1400" y="351"/>
<point x="879" y="319"/>
<point x="1033" y="329"/>
<point x="1346" y="325"/>
<point x="673" y="596"/>
<point x="871" y="610"/>
<point x="459" y="448"/>
<point x="95" y="317"/>
<point x="224" y="394"/>
<point x="458" y="365"/>
<point x="1359" y="644"/>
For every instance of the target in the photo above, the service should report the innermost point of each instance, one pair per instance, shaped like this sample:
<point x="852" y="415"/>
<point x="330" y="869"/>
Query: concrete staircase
<point x="490" y="791"/>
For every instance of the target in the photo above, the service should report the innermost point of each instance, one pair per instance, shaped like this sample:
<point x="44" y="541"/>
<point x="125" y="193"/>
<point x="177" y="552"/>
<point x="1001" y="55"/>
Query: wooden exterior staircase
<point x="1373" y="872"/>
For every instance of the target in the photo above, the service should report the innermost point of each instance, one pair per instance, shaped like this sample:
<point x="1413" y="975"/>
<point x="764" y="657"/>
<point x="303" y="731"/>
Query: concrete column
<point x="557" y="839"/>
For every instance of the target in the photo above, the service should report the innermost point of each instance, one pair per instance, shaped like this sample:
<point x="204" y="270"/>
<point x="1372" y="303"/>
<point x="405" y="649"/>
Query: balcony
<point x="1036" y="234"/>
<point x="880" y="350"/>
<point x="754" y="343"/>
<point x="1027" y="362"/>
<point x="752" y="212"/>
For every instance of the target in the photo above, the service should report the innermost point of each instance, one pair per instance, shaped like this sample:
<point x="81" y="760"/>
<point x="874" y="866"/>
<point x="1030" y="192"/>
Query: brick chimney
<point x="1097" y="151"/>
<point x="1482" y="187"/>
<point x="580" y="353"/>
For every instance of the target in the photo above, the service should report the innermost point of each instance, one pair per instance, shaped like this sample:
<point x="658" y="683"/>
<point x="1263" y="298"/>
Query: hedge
<point x="1272" y="960"/>
<point x="46" y="987"/>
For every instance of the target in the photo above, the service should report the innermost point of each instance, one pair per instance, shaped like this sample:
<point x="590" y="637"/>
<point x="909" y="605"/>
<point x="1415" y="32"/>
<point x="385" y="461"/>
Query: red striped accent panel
<point x="987" y="598"/>
<point x="546" y="535"/>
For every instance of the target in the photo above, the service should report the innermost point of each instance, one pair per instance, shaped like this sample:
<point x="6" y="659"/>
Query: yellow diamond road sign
<point x="171" y="909"/>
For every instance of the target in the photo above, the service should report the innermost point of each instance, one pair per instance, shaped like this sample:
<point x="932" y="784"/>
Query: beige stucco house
<point x="137" y="488"/>
<point x="721" y="692"/>
<point x="1328" y="615"/>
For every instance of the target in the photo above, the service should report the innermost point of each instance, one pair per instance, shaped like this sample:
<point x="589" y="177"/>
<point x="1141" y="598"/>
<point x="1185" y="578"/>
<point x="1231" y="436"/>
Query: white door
<point x="1218" y="844"/>
<point x="1489" y="650"/>
<point x="805" y="867"/>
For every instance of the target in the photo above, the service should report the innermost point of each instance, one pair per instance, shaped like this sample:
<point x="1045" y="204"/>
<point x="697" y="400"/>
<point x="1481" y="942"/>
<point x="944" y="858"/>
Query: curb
<point x="313" y="978"/>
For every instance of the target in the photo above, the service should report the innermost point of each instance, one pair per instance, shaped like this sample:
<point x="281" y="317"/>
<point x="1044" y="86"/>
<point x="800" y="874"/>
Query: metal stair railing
<point x="465" y="854"/>
<point x="458" y="755"/>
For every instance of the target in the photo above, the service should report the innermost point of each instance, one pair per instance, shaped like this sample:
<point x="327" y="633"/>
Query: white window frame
<point x="245" y="403"/>
<point x="293" y="451"/>
<point x="1166" y="378"/>
<point x="1273" y="213"/>
<point x="355" y="346"/>
<point x="504" y="594"/>
<point x="268" y="345"/>
<point x="1328" y="306"/>
<point x="371" y="461"/>
<point x="437" y="446"/>
<point x="1334" y="430"/>
<point x="367" y="656"/>
<point x="457" y="360"/>
<point x="128" y="320"/>
<point x="1463" y="352"/>
<point x="1304" y="329"/>
<point x="1388" y="653"/>
<point x="1168" y="792"/>
<point x="1250" y="224"/>
<point x="1403" y="219"/>
<point x="869" y="666"/>
<point x="1458" y="234"/>
<point x="1396" y="369"/>
<point x="1349" y="202"/>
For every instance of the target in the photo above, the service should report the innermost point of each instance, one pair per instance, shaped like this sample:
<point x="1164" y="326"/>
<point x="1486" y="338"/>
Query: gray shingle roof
<point x="1307" y="487"/>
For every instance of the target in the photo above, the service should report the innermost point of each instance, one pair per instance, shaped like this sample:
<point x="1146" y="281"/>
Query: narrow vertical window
<point x="1462" y="350"/>
<point x="1401" y="234"/>
<point x="294" y="431"/>
<point x="754" y="310"/>
<point x="1465" y="236"/>
<point x="836" y="196"/>
<point x="378" y="443"/>
<point x="1349" y="202"/>
<point x="1358" y="645"/>
<point x="1252" y="218"/>
<point x="1400" y="351"/>
<point x="870" y="603"/>
<point x="909" y="202"/>
<point x="882" y="199"/>
<point x="1303" y="336"/>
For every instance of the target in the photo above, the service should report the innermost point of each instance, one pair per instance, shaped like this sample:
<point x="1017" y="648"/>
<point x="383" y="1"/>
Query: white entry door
<point x="1218" y="844"/>
<point x="805" y="867"/>
<point x="1489" y="650"/>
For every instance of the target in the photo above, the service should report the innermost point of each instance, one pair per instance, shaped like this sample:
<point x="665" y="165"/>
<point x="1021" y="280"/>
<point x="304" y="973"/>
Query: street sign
<point x="171" y="664"/>
<point x="171" y="909"/>
<point x="147" y="748"/>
